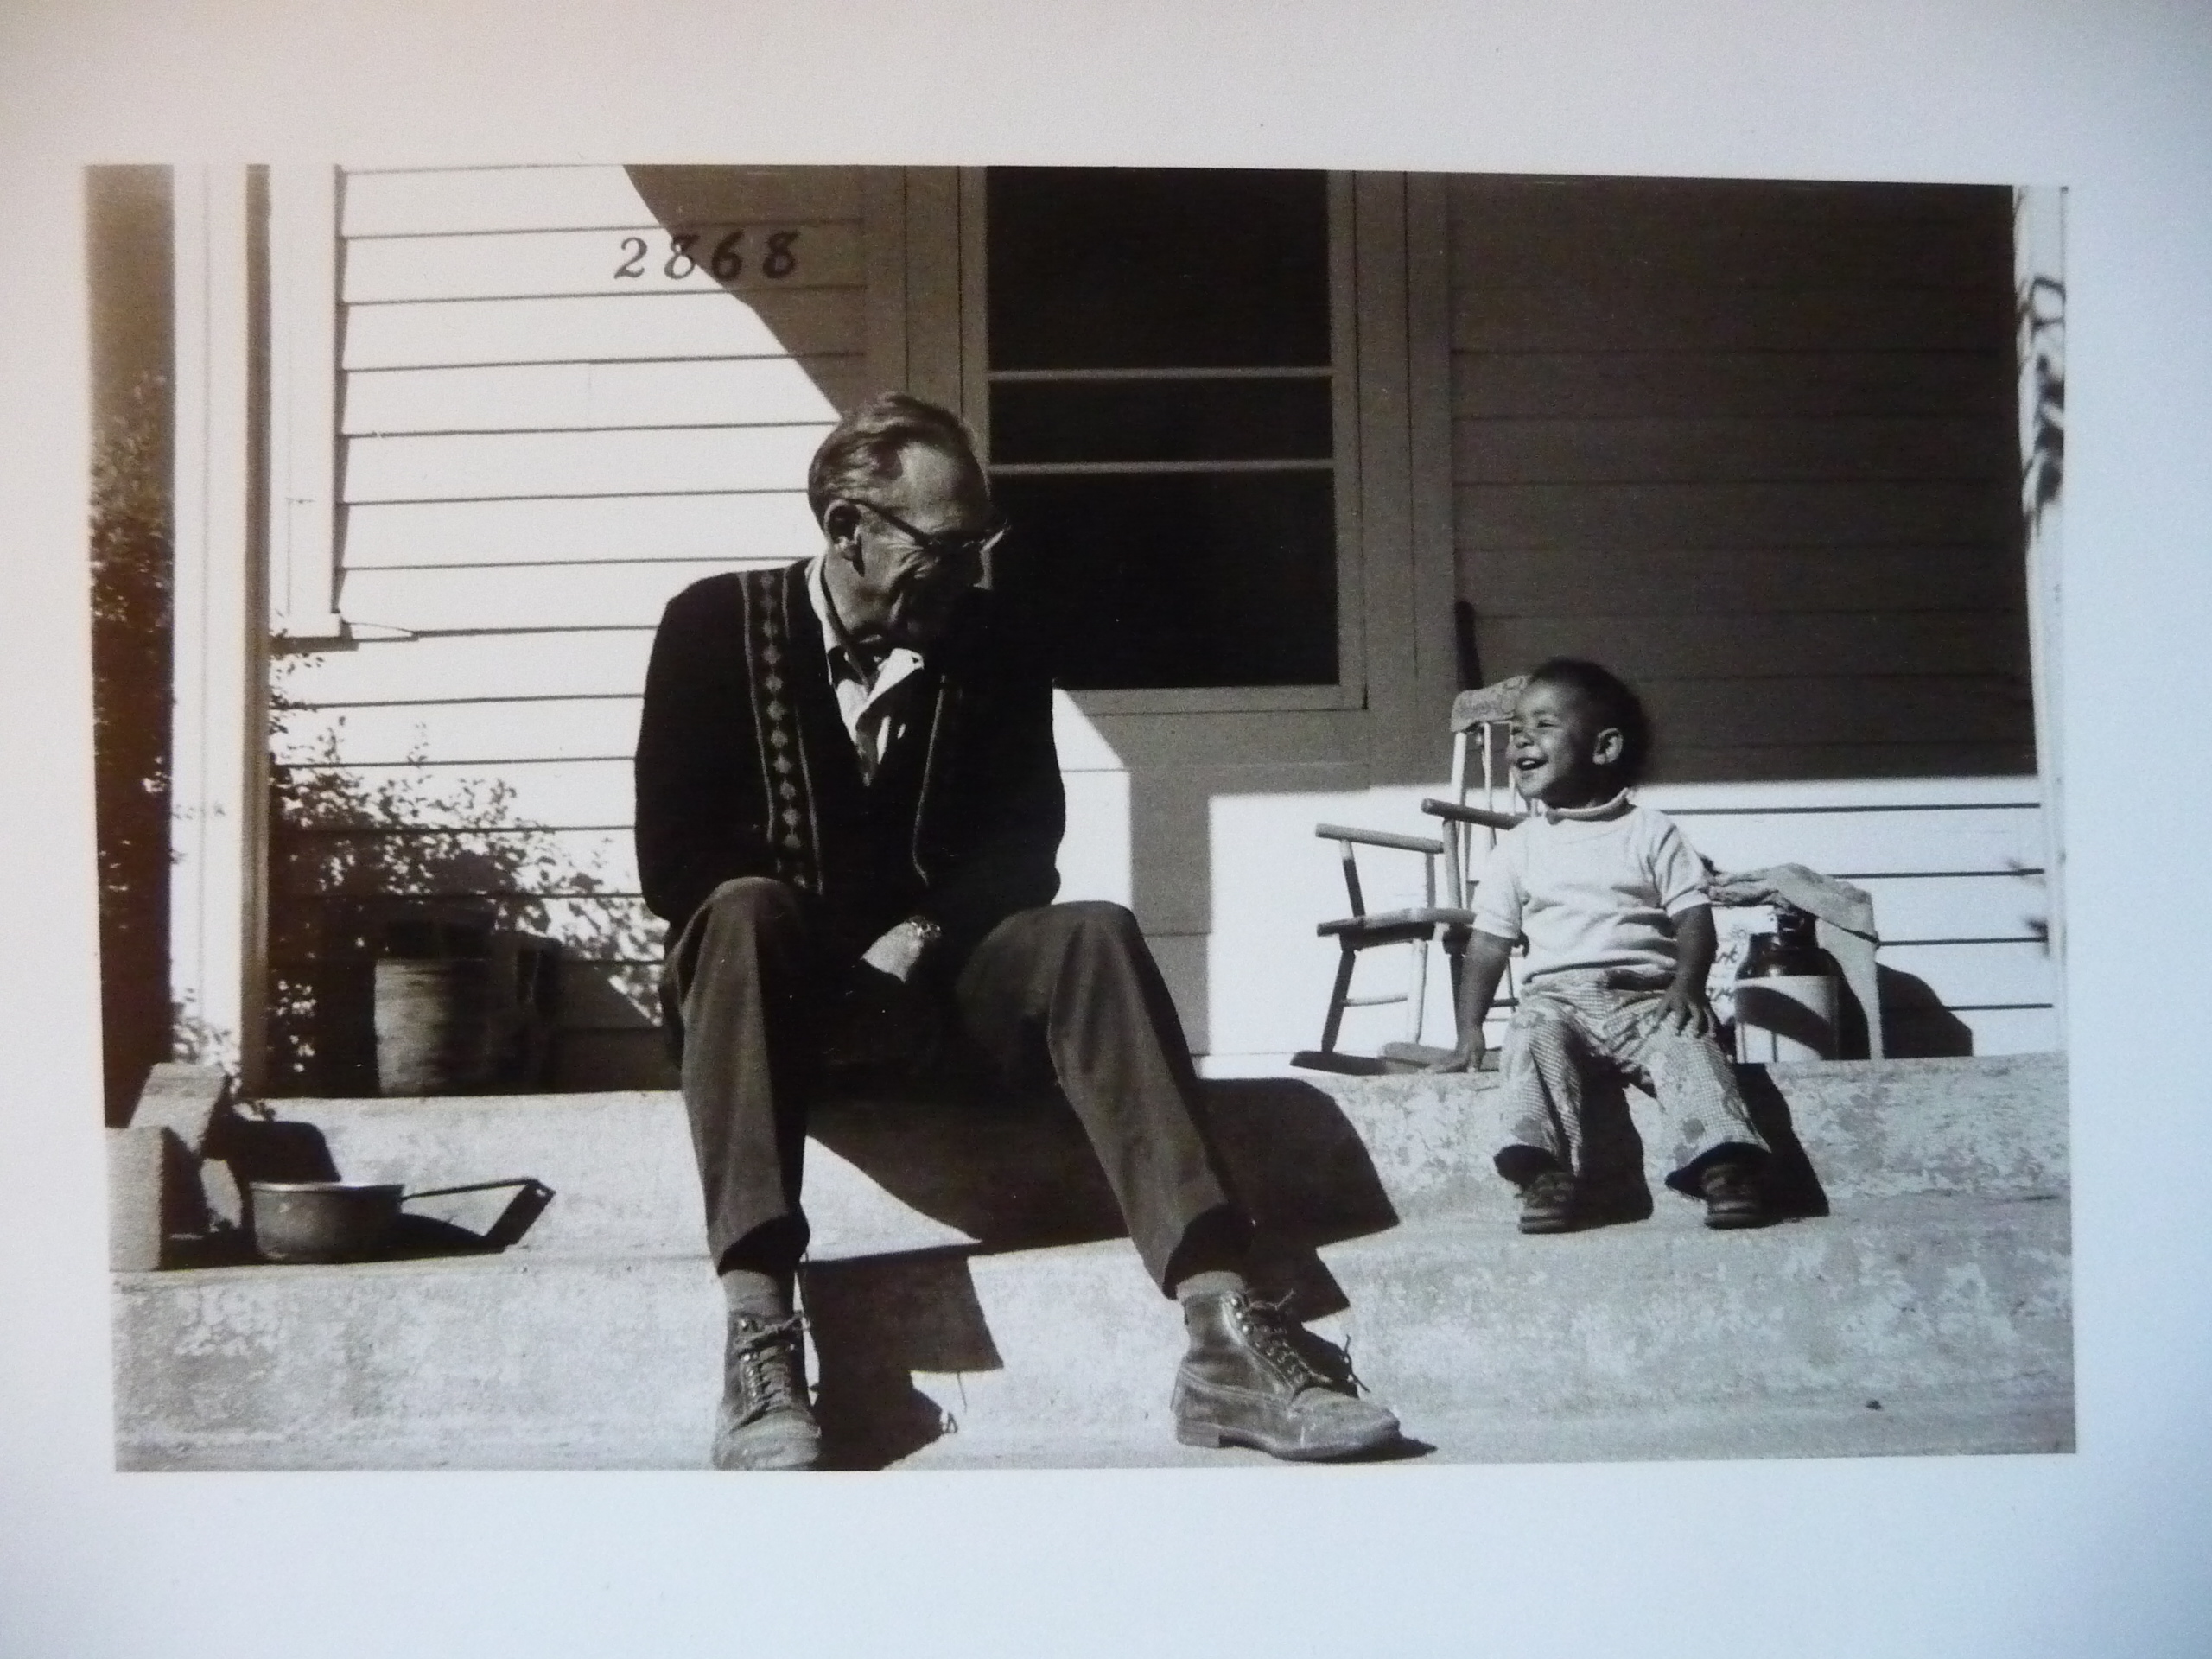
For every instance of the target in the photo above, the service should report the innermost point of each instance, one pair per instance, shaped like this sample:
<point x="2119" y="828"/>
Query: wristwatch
<point x="926" y="932"/>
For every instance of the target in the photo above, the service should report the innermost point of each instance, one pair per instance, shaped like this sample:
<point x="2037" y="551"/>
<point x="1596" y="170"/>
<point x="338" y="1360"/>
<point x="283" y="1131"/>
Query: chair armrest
<point x="1471" y="815"/>
<point x="1380" y="838"/>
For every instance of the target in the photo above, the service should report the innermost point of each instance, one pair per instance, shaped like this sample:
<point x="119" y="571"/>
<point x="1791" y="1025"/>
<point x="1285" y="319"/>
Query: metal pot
<point x="322" y="1221"/>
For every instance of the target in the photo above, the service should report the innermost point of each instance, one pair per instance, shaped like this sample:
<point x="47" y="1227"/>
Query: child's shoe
<point x="1733" y="1198"/>
<point x="1548" y="1203"/>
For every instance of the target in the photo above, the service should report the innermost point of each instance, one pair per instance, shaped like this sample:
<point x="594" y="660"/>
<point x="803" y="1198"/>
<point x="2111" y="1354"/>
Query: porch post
<point x="2039" y="285"/>
<point x="218" y="790"/>
<point x="303" y="403"/>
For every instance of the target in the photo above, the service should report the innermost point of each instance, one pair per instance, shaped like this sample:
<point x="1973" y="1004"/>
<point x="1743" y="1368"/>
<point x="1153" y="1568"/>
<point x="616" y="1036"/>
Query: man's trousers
<point x="1065" y="994"/>
<point x="1570" y="1027"/>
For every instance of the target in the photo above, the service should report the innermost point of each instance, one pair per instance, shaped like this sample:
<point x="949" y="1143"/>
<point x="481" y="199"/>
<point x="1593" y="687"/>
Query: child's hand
<point x="1685" y="1010"/>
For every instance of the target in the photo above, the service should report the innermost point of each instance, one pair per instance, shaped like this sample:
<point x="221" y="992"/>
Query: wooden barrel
<point x="434" y="1024"/>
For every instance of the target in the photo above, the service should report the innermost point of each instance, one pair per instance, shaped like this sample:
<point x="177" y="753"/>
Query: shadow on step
<point x="479" y="1218"/>
<point x="1014" y="1173"/>
<point x="1295" y="1160"/>
<point x="876" y="1320"/>
<point x="1616" y="1183"/>
<point x="1792" y="1187"/>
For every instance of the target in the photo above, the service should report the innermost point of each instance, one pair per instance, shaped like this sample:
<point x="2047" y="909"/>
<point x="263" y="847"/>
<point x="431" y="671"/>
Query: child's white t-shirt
<point x="1594" y="889"/>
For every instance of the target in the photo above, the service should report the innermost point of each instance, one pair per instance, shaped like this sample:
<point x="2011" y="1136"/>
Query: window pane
<point x="1185" y="420"/>
<point x="1157" y="267"/>
<point x="1177" y="580"/>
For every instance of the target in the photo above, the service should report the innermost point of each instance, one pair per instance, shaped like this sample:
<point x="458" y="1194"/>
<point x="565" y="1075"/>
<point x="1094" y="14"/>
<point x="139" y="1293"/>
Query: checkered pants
<point x="1572" y="1027"/>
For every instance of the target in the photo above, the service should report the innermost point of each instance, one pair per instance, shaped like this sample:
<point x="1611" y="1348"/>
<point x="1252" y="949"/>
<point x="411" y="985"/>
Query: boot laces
<point x="766" y="1360"/>
<point x="1265" y="1325"/>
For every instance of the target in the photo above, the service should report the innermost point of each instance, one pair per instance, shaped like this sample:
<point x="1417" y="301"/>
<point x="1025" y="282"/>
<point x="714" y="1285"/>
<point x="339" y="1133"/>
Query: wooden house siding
<point x="551" y="419"/>
<point x="534" y="453"/>
<point x="1755" y="448"/>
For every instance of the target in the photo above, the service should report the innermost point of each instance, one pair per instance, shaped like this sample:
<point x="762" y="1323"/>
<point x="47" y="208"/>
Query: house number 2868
<point x="725" y="262"/>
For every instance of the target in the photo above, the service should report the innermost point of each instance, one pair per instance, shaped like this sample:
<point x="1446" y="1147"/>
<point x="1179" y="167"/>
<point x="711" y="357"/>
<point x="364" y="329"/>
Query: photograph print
<point x="878" y="817"/>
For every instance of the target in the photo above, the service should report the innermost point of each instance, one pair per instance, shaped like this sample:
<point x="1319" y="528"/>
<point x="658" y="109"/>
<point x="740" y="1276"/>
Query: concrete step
<point x="1839" y="1425"/>
<point x="1327" y="1157"/>
<point x="1654" y="1335"/>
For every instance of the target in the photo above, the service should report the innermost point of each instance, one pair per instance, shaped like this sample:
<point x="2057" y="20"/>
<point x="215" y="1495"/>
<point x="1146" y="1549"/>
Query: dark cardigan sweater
<point x="744" y="767"/>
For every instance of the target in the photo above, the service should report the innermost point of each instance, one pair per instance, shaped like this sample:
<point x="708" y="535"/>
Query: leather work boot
<point x="1550" y="1204"/>
<point x="1733" y="1195"/>
<point x="1243" y="1382"/>
<point x="765" y="1421"/>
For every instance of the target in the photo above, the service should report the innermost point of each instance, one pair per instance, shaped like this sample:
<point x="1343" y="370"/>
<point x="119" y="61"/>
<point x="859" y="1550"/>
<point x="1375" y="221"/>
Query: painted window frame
<point x="976" y="377"/>
<point x="304" y="300"/>
<point x="1404" y="595"/>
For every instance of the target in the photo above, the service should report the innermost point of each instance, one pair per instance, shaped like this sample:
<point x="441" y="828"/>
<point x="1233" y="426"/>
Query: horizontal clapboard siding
<point x="1850" y="448"/>
<point x="491" y="599"/>
<point x="1837" y="645"/>
<point x="1679" y="405"/>
<point x="1973" y="851"/>
<point x="1642" y="314"/>
<point x="504" y="264"/>
<point x="386" y="672"/>
<point x="1725" y="517"/>
<point x="491" y="466"/>
<point x="1755" y="448"/>
<point x="563" y="397"/>
<point x="1632" y="384"/>
<point x="614" y="327"/>
<point x="1747" y="442"/>
<point x="470" y="201"/>
<point x="1720" y="236"/>
<point x="1519" y="586"/>
<point x="557" y="411"/>
<point x="393" y="536"/>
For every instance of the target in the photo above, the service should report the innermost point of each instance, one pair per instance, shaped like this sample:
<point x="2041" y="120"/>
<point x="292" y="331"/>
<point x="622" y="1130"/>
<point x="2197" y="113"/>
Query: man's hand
<point x="1685" y="1010"/>
<point x="900" y="949"/>
<point x="882" y="1024"/>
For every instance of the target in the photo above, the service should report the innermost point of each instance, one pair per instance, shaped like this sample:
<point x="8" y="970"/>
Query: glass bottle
<point x="1786" y="994"/>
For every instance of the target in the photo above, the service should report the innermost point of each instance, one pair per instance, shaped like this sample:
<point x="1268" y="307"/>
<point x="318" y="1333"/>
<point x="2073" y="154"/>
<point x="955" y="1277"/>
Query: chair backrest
<point x="1491" y="702"/>
<point x="1478" y="717"/>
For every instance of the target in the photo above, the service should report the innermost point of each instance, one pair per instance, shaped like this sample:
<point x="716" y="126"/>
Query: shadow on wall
<point x="359" y="855"/>
<point x="749" y="230"/>
<point x="1915" y="1022"/>
<point x="364" y="867"/>
<point x="1171" y="798"/>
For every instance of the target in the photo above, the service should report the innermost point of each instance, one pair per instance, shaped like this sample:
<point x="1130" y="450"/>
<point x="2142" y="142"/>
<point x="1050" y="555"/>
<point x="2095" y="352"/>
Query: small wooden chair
<point x="1476" y="715"/>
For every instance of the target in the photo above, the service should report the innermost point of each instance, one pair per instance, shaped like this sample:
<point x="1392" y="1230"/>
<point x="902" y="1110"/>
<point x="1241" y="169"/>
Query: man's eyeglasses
<point x="955" y="549"/>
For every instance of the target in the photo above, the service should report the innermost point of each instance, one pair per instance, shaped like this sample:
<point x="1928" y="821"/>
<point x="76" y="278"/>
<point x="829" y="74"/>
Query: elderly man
<point x="848" y="808"/>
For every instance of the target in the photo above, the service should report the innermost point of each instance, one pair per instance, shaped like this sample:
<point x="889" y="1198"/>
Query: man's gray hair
<point x="868" y="446"/>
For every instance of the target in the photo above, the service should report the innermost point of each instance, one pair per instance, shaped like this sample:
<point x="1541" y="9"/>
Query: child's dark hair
<point x="1612" y="701"/>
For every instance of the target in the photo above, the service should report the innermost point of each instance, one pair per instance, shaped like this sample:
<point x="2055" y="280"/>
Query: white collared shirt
<point x="875" y="715"/>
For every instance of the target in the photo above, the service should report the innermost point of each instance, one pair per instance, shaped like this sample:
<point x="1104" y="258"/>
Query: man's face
<point x="890" y="588"/>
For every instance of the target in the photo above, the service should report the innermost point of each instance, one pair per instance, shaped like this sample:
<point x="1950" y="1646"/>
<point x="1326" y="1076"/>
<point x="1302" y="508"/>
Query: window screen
<point x="1161" y="423"/>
